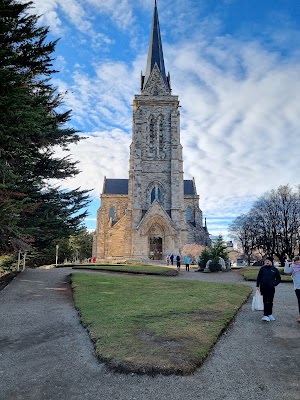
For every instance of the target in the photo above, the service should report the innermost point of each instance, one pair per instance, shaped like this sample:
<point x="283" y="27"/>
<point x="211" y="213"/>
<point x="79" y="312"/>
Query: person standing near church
<point x="172" y="258"/>
<point x="187" y="261"/>
<point x="267" y="279"/>
<point x="294" y="269"/>
<point x="178" y="259"/>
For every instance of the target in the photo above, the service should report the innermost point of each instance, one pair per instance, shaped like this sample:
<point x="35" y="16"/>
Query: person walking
<point x="168" y="260"/>
<point x="172" y="258"/>
<point x="294" y="269"/>
<point x="187" y="261"/>
<point x="178" y="262"/>
<point x="267" y="279"/>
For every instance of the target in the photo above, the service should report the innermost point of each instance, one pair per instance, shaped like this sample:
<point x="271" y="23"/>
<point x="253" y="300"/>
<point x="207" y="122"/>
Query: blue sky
<point x="235" y="65"/>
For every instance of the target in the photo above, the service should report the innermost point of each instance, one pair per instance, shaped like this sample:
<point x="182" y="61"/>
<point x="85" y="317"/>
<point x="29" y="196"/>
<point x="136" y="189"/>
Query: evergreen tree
<point x="32" y="211"/>
<point x="215" y="265"/>
<point x="219" y="249"/>
<point x="203" y="258"/>
<point x="81" y="244"/>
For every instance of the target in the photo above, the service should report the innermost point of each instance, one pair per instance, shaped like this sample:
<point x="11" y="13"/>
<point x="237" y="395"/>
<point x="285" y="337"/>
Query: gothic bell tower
<point x="156" y="166"/>
<point x="155" y="212"/>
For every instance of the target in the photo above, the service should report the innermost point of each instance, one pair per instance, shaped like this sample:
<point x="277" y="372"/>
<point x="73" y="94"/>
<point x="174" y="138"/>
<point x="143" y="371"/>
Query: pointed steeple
<point x="155" y="52"/>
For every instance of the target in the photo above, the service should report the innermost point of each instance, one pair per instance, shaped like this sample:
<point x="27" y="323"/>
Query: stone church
<point x="154" y="212"/>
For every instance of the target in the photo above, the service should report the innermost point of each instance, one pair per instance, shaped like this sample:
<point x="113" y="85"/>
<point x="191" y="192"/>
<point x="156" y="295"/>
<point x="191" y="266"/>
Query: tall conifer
<point x="32" y="210"/>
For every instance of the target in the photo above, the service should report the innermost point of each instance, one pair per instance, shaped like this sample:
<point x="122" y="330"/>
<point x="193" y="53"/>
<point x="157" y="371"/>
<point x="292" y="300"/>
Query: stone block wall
<point x="106" y="235"/>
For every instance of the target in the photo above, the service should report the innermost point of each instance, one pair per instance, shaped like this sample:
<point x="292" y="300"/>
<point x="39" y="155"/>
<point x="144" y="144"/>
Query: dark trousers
<point x="297" y="291"/>
<point x="268" y="296"/>
<point x="187" y="267"/>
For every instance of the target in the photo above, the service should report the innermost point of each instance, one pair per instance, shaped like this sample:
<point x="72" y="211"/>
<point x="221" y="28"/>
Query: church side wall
<point x="195" y="231"/>
<point x="116" y="239"/>
<point x="105" y="246"/>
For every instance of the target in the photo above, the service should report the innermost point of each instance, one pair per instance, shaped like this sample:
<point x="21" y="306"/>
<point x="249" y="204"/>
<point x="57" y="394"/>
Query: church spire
<point x="155" y="52"/>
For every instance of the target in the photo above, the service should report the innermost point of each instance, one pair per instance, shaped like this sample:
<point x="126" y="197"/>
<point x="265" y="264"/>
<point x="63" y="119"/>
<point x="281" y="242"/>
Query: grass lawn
<point x="154" y="325"/>
<point x="130" y="268"/>
<point x="250" y="274"/>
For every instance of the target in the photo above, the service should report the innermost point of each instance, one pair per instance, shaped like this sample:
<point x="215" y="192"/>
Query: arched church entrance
<point x="155" y="248"/>
<point x="156" y="238"/>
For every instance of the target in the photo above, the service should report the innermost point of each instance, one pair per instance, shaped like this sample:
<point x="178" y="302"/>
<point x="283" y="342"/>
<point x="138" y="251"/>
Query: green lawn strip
<point x="151" y="326"/>
<point x="250" y="274"/>
<point x="130" y="268"/>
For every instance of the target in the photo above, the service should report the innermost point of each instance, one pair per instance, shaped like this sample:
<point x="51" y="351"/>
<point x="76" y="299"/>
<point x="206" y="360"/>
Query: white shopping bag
<point x="257" y="302"/>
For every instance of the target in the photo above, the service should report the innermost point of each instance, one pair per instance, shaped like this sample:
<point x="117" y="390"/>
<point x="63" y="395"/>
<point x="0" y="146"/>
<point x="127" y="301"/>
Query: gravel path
<point x="45" y="353"/>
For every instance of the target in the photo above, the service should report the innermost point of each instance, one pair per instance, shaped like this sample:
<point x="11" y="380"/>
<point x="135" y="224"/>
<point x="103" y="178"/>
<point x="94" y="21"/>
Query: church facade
<point x="154" y="212"/>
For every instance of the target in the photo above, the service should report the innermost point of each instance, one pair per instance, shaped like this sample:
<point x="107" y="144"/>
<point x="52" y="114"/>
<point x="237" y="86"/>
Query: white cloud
<point x="76" y="15"/>
<point x="120" y="11"/>
<point x="48" y="10"/>
<point x="104" y="99"/>
<point x="104" y="153"/>
<point x="80" y="14"/>
<point x="80" y="18"/>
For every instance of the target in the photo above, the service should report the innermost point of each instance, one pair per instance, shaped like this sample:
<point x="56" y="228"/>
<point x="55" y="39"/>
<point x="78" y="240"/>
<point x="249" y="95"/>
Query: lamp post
<point x="56" y="254"/>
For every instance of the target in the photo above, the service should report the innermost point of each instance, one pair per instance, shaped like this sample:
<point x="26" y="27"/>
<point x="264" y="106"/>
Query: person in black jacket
<point x="178" y="259"/>
<point x="268" y="277"/>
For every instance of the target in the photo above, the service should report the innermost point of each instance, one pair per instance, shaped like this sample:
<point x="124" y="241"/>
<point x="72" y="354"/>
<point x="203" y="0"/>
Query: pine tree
<point x="219" y="249"/>
<point x="32" y="211"/>
<point x="203" y="258"/>
<point x="81" y="244"/>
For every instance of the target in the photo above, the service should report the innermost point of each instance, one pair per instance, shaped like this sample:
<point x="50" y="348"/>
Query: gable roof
<point x="115" y="186"/>
<point x="189" y="188"/>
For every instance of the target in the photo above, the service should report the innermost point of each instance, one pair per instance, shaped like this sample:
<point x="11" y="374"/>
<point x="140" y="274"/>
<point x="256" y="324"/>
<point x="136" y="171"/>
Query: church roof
<point x="189" y="187"/>
<point x="115" y="186"/>
<point x="120" y="186"/>
<point x="155" y="52"/>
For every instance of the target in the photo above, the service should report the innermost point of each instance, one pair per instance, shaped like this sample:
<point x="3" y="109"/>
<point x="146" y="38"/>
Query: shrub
<point x="203" y="258"/>
<point x="215" y="265"/>
<point x="8" y="262"/>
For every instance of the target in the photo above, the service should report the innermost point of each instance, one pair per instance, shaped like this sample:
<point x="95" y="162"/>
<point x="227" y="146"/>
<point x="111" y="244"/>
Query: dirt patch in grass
<point x="172" y="354"/>
<point x="177" y="353"/>
<point x="165" y="356"/>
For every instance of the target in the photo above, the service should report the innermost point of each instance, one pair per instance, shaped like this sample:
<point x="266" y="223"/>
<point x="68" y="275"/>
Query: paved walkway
<point x="45" y="353"/>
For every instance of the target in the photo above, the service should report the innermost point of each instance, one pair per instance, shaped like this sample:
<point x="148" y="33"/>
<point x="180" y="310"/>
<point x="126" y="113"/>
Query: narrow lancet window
<point x="188" y="214"/>
<point x="158" y="194"/>
<point x="160" y="133"/>
<point x="111" y="213"/>
<point x="152" y="195"/>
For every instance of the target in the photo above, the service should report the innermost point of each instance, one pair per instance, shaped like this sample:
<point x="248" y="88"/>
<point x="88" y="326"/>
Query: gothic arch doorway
<point x="155" y="235"/>
<point x="155" y="248"/>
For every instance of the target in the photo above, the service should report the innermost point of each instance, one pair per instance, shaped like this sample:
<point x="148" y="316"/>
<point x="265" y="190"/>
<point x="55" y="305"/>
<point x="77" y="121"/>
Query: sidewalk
<point x="45" y="353"/>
